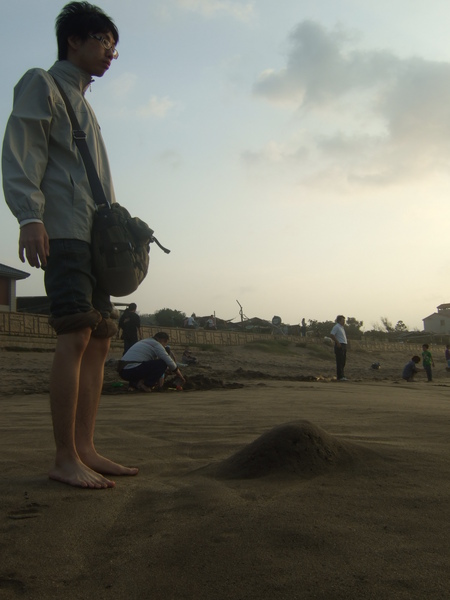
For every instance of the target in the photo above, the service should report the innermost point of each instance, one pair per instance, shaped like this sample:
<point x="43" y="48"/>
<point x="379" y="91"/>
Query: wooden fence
<point x="28" y="330"/>
<point x="33" y="331"/>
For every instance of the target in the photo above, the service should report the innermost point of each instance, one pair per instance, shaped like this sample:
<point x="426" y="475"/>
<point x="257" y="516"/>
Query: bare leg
<point x="91" y="381"/>
<point x="64" y="391"/>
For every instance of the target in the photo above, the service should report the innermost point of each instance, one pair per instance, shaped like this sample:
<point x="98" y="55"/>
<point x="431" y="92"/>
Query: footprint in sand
<point x="30" y="511"/>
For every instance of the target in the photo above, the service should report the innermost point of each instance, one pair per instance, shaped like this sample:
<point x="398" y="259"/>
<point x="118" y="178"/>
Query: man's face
<point x="341" y="321"/>
<point x="90" y="54"/>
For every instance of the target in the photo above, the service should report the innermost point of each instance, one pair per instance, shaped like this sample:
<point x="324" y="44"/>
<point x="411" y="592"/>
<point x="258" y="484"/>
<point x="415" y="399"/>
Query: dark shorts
<point x="149" y="371"/>
<point x="69" y="282"/>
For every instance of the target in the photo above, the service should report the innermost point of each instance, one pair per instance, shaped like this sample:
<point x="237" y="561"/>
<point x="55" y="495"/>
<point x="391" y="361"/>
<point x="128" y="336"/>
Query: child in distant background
<point x="447" y="356"/>
<point x="410" y="369"/>
<point x="427" y="361"/>
<point x="188" y="358"/>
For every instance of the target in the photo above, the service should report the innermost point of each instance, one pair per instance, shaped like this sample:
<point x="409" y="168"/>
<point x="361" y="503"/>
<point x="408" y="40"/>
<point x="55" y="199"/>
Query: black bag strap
<point x="79" y="137"/>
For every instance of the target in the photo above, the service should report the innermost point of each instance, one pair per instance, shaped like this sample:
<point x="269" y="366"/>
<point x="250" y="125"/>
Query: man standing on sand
<point x="130" y="324"/>
<point x="47" y="189"/>
<point x="339" y="338"/>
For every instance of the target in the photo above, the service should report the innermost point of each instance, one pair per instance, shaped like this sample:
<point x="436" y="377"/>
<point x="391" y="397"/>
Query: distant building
<point x="438" y="322"/>
<point x="8" y="278"/>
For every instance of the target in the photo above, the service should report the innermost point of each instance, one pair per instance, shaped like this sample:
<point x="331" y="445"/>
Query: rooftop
<point x="11" y="273"/>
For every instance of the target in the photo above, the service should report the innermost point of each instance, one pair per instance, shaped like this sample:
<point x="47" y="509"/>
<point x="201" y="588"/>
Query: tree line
<point x="167" y="317"/>
<point x="353" y="328"/>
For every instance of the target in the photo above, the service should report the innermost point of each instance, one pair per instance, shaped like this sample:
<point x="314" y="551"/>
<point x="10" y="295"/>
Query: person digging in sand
<point x="411" y="369"/>
<point x="146" y="362"/>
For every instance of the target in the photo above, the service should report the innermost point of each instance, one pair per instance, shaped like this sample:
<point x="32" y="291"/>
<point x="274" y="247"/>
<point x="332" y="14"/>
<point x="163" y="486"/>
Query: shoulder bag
<point x="120" y="243"/>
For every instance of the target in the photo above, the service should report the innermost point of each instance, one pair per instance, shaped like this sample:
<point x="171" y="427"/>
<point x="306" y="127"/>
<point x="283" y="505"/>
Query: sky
<point x="294" y="155"/>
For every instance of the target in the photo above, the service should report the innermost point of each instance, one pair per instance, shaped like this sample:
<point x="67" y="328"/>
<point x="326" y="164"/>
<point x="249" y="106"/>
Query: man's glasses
<point x="106" y="44"/>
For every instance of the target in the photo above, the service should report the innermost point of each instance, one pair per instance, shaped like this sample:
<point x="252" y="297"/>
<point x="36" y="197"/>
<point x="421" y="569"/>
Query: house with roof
<point x="438" y="322"/>
<point x="8" y="279"/>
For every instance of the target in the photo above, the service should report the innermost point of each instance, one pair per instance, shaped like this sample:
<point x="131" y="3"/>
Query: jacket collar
<point x="67" y="71"/>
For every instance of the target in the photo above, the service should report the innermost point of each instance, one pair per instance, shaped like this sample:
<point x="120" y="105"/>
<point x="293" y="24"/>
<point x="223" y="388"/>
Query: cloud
<point x="376" y="117"/>
<point x="320" y="68"/>
<point x="123" y="85"/>
<point x="156" y="107"/>
<point x="242" y="11"/>
<point x="171" y="158"/>
<point x="275" y="152"/>
<point x="123" y="90"/>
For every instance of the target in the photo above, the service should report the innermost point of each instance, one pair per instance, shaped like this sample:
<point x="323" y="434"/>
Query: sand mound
<point x="298" y="448"/>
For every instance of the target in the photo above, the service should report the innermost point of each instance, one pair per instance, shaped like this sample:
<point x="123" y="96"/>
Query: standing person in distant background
<point x="447" y="356"/>
<point x="303" y="328"/>
<point x="211" y="323"/>
<point x="190" y="322"/>
<point x="427" y="361"/>
<point x="339" y="338"/>
<point x="130" y="324"/>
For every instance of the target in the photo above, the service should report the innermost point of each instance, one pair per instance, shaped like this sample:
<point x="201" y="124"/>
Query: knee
<point x="93" y="320"/>
<point x="124" y="374"/>
<point x="107" y="328"/>
<point x="75" y="322"/>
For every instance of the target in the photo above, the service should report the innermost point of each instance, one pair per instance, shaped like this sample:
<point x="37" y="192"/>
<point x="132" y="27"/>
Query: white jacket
<point x="43" y="173"/>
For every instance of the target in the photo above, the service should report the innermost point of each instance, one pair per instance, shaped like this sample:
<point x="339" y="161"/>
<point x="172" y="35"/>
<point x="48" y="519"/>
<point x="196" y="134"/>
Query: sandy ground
<point x="348" y="501"/>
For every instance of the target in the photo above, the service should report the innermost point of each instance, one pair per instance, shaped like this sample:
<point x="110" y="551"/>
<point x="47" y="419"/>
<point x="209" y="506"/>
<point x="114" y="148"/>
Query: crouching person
<point x="411" y="369"/>
<point x="145" y="363"/>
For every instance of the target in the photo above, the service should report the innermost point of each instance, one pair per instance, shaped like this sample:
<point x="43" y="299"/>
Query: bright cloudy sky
<point x="293" y="154"/>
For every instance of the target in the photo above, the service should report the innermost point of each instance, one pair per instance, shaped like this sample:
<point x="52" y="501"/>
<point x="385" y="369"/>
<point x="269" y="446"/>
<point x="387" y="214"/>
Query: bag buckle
<point x="78" y="134"/>
<point x="102" y="207"/>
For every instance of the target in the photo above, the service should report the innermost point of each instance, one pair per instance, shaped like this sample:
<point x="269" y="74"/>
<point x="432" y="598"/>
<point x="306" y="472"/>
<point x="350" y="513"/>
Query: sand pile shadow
<point x="299" y="448"/>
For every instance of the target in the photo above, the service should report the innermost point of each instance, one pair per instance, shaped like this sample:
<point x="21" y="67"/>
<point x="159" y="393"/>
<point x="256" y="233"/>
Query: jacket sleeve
<point x="26" y="145"/>
<point x="161" y="353"/>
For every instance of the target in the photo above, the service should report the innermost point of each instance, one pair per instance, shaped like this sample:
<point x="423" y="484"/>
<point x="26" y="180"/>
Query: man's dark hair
<point x="161" y="335"/>
<point x="81" y="19"/>
<point x="132" y="306"/>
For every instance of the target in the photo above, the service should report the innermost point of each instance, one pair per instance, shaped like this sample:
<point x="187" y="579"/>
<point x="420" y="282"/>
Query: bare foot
<point x="79" y="475"/>
<point x="142" y="387"/>
<point x="100" y="464"/>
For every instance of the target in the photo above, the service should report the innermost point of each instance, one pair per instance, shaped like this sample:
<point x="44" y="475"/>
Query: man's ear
<point x="74" y="42"/>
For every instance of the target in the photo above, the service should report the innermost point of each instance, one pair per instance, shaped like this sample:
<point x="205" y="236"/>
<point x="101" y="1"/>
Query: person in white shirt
<point x="190" y="322"/>
<point x="145" y="363"/>
<point x="211" y="323"/>
<point x="339" y="338"/>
